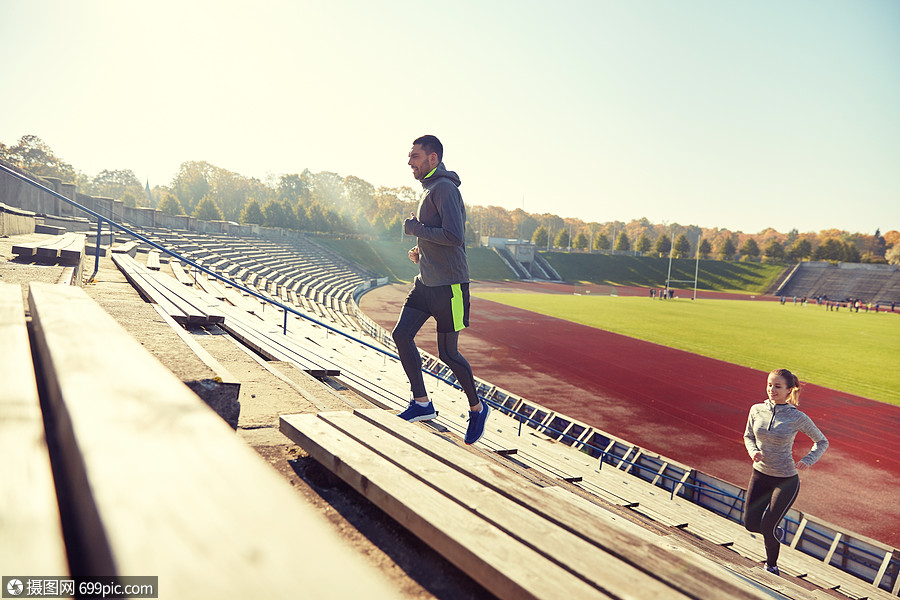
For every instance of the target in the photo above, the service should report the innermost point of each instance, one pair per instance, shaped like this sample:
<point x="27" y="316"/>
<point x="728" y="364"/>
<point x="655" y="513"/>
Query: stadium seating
<point x="868" y="283"/>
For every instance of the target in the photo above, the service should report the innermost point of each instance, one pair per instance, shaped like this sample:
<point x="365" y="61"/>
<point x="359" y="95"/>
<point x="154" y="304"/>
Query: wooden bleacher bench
<point x="130" y="248"/>
<point x="31" y="539"/>
<point x="49" y="229"/>
<point x="153" y="260"/>
<point x="180" y="274"/>
<point x="155" y="483"/>
<point x="67" y="249"/>
<point x="509" y="535"/>
<point x="177" y="300"/>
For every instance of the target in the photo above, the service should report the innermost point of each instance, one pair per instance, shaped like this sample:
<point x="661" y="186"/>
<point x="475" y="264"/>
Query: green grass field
<point x="854" y="353"/>
<point x="646" y="271"/>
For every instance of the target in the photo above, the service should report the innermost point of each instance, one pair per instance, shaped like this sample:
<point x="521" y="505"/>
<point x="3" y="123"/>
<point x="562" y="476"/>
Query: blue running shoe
<point x="779" y="534"/>
<point x="477" y="421"/>
<point x="414" y="412"/>
<point x="773" y="570"/>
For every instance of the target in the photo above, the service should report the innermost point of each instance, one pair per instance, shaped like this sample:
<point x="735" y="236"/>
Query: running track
<point x="686" y="407"/>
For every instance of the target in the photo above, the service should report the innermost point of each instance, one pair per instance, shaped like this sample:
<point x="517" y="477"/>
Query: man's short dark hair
<point x="429" y="144"/>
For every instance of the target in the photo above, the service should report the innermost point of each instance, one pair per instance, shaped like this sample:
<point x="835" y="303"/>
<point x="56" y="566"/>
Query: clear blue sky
<point x="716" y="113"/>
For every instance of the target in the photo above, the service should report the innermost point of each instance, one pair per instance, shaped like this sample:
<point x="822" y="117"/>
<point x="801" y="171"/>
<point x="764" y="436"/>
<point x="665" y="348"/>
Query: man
<point x="441" y="290"/>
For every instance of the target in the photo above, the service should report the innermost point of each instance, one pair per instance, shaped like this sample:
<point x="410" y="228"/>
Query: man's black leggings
<point x="404" y="334"/>
<point x="768" y="501"/>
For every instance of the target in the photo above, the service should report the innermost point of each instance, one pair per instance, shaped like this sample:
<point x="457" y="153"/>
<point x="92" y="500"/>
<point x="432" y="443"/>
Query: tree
<point x="316" y="217"/>
<point x="800" y="249"/>
<point x="115" y="184"/>
<point x="273" y="214"/>
<point x="879" y="245"/>
<point x="252" y="213"/>
<point x="36" y="157"/>
<point x="727" y="248"/>
<point x="705" y="248"/>
<point x="774" y="252"/>
<point x="663" y="245"/>
<point x="642" y="244"/>
<point x="601" y="242"/>
<point x="129" y="200"/>
<point x="892" y="238"/>
<point x="192" y="182"/>
<point x="170" y="205"/>
<point x="290" y="216"/>
<point x="540" y="237"/>
<point x="623" y="244"/>
<point x="207" y="210"/>
<point x="831" y="249"/>
<point x="562" y="238"/>
<point x="682" y="246"/>
<point x="581" y="241"/>
<point x="851" y="253"/>
<point x="893" y="254"/>
<point x="750" y="248"/>
<point x="293" y="187"/>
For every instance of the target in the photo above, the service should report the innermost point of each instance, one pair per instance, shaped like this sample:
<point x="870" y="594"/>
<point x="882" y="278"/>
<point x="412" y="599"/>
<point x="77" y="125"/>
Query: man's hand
<point x="757" y="456"/>
<point x="800" y="465"/>
<point x="408" y="223"/>
<point x="414" y="254"/>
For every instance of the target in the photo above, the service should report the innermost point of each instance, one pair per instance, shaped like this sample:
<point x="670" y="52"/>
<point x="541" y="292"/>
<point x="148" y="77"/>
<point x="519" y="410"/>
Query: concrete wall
<point x="15" y="221"/>
<point x="18" y="194"/>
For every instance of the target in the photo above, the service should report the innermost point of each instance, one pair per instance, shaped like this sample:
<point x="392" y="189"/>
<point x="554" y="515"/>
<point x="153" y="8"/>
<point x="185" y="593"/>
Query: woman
<point x="769" y="438"/>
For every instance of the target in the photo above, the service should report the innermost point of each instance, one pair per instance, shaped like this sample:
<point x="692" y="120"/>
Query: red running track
<point x="687" y="407"/>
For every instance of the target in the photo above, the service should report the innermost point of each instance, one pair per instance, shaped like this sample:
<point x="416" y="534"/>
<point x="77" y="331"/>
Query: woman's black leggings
<point x="404" y="334"/>
<point x="768" y="501"/>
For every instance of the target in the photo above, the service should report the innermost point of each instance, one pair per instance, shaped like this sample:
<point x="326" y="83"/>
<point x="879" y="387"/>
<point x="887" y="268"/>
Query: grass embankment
<point x="644" y="271"/>
<point x="389" y="259"/>
<point x="854" y="353"/>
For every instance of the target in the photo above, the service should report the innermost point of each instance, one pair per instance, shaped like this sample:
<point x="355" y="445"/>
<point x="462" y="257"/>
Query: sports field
<point x="855" y="353"/>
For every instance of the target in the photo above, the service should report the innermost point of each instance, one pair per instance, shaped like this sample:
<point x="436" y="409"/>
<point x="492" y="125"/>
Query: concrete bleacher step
<point x="479" y="515"/>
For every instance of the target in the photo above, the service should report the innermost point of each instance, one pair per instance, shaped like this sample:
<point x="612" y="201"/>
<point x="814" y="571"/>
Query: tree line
<point x="328" y="203"/>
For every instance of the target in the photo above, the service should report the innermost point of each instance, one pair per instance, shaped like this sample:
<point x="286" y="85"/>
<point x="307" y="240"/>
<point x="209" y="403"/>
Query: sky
<point x="715" y="113"/>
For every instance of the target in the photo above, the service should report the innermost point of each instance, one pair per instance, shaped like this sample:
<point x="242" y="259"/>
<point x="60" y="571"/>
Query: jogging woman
<point x="769" y="438"/>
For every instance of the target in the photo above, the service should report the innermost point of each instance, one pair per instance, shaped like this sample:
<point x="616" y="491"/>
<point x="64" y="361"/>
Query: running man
<point x="441" y="289"/>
